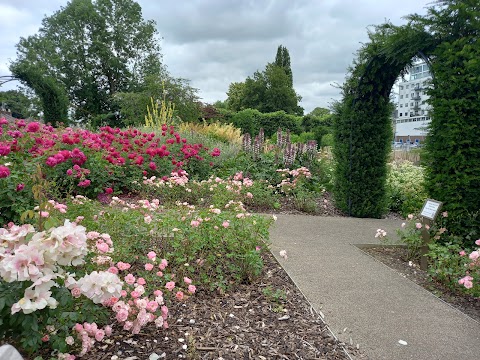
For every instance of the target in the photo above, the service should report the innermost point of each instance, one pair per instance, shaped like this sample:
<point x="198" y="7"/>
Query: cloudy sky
<point x="216" y="42"/>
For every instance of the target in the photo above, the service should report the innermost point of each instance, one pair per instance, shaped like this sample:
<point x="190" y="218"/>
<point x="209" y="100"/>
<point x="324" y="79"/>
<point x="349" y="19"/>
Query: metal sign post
<point x="430" y="210"/>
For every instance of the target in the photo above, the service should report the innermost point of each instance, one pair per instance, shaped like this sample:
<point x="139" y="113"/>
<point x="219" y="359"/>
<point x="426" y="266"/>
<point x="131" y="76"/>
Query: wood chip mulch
<point x="268" y="319"/>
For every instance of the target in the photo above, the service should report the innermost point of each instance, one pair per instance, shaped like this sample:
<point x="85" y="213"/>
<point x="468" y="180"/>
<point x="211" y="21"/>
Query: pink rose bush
<point x="472" y="278"/>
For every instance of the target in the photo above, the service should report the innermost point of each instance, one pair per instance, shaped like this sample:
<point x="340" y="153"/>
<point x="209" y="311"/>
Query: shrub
<point x="405" y="187"/>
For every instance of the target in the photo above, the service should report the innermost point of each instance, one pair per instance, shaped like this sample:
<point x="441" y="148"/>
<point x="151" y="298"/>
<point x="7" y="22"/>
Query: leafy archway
<point x="52" y="95"/>
<point x="448" y="36"/>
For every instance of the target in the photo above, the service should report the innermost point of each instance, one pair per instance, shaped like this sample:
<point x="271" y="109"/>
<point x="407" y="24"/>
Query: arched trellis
<point x="52" y="95"/>
<point x="7" y="78"/>
<point x="363" y="120"/>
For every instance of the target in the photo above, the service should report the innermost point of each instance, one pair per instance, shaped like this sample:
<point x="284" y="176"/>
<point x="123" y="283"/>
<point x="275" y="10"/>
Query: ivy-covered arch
<point x="52" y="95"/>
<point x="448" y="36"/>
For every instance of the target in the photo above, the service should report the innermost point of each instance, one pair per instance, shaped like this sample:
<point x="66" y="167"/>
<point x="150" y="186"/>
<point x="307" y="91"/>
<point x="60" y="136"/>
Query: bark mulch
<point x="268" y="319"/>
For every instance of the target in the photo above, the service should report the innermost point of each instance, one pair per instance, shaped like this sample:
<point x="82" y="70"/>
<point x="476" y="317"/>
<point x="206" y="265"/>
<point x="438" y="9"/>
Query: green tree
<point x="19" y="104"/>
<point x="282" y="60"/>
<point x="267" y="91"/>
<point x="235" y="96"/>
<point x="94" y="49"/>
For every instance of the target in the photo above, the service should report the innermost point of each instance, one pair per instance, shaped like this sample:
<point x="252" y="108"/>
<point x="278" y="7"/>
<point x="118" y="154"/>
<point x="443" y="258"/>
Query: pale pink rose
<point x="462" y="253"/>
<point x="147" y="219"/>
<point x="46" y="338"/>
<point x="130" y="279"/>
<point x="92" y="235"/>
<point x="159" y="321"/>
<point x="165" y="324"/>
<point x="44" y="214"/>
<point x="445" y="214"/>
<point x="187" y="280"/>
<point x="474" y="255"/>
<point x="78" y="327"/>
<point x="102" y="247"/>
<point x="164" y="310"/>
<point x="283" y="253"/>
<point x="158" y="293"/>
<point x="170" y="285"/>
<point x="123" y="293"/>
<point x="179" y="295"/>
<point x="466" y="281"/>
<point x="141" y="281"/>
<point x="195" y="223"/>
<point x="69" y="340"/>
<point x="225" y="224"/>
<point x="192" y="289"/>
<point x="410" y="216"/>
<point x="152" y="306"/>
<point x="152" y="255"/>
<point x="215" y="227"/>
<point x="76" y="292"/>
<point x="128" y="325"/>
<point x="249" y="195"/>
<point x="113" y="270"/>
<point x="123" y="266"/>
<point x="99" y="335"/>
<point x="148" y="267"/>
<point x="135" y="294"/>
<point x="427" y="227"/>
<point x="477" y="242"/>
<point x="159" y="273"/>
<point x="257" y="248"/>
<point x="163" y="264"/>
<point x="418" y="225"/>
<point x="108" y="330"/>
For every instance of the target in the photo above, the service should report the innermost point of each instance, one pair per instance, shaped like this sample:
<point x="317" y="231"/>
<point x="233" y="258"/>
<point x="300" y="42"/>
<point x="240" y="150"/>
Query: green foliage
<point x="251" y="121"/>
<point x="405" y="188"/>
<point x="448" y="266"/>
<point x="453" y="144"/>
<point x="448" y="34"/>
<point x="20" y="105"/>
<point x="267" y="91"/>
<point x="51" y="92"/>
<point x="67" y="51"/>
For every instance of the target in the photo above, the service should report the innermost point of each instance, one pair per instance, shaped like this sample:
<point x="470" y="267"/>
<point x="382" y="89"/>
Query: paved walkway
<point x="377" y="305"/>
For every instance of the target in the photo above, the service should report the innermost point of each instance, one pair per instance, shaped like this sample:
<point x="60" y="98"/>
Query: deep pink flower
<point x="4" y="149"/>
<point x="20" y="187"/>
<point x="152" y="166"/>
<point x="33" y="127"/>
<point x="4" y="171"/>
<point x="108" y="190"/>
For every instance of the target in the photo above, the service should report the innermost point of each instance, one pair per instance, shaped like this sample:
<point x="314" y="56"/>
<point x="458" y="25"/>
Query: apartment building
<point x="411" y="117"/>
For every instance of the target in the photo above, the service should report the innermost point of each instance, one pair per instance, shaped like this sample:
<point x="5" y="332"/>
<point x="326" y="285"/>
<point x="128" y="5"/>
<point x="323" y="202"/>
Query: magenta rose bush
<point x="82" y="162"/>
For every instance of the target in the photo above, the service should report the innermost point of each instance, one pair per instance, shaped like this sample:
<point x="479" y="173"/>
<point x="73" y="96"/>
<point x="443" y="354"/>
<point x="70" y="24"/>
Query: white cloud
<point x="216" y="42"/>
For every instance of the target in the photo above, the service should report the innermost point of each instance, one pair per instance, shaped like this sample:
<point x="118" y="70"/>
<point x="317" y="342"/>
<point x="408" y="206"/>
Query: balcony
<point x="416" y="97"/>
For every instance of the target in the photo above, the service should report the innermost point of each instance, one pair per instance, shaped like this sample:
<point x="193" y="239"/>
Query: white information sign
<point x="430" y="209"/>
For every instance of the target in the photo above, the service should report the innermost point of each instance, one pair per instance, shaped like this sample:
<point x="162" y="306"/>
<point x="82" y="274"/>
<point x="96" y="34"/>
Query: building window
<point x="401" y="87"/>
<point x="400" y="114"/>
<point x="401" y="105"/>
<point x="406" y="87"/>
<point x="406" y="95"/>
<point x="411" y="104"/>
<point x="401" y="96"/>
